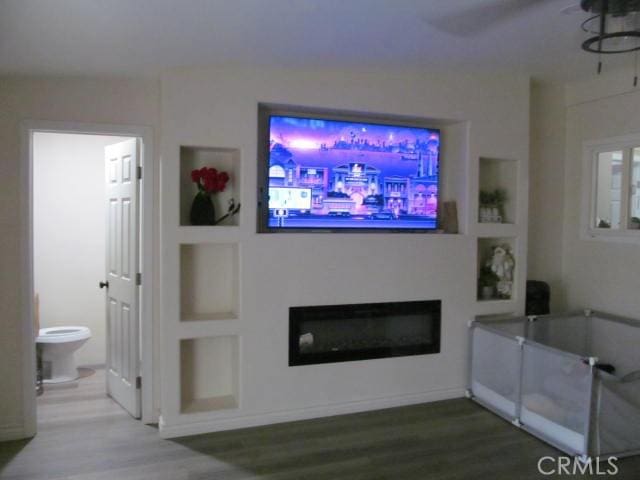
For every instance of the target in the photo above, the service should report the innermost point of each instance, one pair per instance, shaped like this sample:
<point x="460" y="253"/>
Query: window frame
<point x="591" y="152"/>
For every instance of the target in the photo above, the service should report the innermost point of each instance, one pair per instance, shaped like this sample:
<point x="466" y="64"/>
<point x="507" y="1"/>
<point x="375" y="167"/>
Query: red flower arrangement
<point x="209" y="180"/>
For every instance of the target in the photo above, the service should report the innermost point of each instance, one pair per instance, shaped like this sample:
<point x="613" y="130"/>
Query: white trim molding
<point x="590" y="150"/>
<point x="148" y="213"/>
<point x="226" y="422"/>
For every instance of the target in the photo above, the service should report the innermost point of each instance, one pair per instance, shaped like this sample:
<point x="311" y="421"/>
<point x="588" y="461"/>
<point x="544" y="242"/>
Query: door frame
<point x="147" y="214"/>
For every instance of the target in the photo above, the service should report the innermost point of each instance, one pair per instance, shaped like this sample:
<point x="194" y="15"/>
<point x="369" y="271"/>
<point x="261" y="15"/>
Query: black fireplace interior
<point x="342" y="333"/>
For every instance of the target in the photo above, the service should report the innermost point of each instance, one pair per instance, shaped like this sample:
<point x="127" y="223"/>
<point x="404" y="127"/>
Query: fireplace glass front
<point x="341" y="333"/>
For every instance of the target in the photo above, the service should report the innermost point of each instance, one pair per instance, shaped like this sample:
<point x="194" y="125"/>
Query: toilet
<point x="58" y="345"/>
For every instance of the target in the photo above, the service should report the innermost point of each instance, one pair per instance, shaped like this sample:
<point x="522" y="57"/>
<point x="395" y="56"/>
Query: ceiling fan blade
<point x="479" y="18"/>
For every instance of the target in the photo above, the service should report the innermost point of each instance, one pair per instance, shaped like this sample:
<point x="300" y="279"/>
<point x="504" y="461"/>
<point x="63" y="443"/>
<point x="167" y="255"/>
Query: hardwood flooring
<point x="84" y="435"/>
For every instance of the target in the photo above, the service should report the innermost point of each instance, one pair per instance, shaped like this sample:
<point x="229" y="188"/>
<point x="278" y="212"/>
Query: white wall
<point x="111" y="101"/>
<point x="69" y="235"/>
<point x="600" y="275"/>
<point x="546" y="187"/>
<point x="218" y="107"/>
<point x="583" y="273"/>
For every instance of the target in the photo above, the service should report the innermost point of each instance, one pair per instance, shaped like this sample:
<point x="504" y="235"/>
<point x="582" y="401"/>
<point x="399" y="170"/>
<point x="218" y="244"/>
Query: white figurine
<point x="502" y="264"/>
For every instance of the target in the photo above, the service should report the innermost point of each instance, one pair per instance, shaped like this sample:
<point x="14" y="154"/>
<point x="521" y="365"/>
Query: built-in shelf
<point x="500" y="174"/>
<point x="209" y="281"/>
<point x="211" y="317"/>
<point x="495" y="307"/>
<point x="486" y="247"/>
<point x="222" y="159"/>
<point x="210" y="404"/>
<point x="496" y="230"/>
<point x="202" y="328"/>
<point x="208" y="333"/>
<point x="208" y="374"/>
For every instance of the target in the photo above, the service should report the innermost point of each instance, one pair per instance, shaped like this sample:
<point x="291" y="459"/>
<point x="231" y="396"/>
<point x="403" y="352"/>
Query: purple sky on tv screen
<point x="337" y="174"/>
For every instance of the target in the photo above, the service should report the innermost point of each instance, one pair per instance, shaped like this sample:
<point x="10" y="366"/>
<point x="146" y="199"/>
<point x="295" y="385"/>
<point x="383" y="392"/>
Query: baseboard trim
<point x="12" y="432"/>
<point x="173" y="430"/>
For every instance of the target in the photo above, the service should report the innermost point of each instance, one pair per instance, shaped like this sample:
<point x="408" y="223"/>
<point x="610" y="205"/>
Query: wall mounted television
<point x="320" y="172"/>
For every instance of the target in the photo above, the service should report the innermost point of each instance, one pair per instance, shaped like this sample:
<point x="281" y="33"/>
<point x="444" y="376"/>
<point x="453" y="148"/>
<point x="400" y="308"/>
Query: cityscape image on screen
<point x="333" y="174"/>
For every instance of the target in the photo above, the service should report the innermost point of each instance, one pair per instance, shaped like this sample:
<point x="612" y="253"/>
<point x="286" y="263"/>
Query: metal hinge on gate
<point x="138" y="279"/>
<point x="139" y="173"/>
<point x="138" y="383"/>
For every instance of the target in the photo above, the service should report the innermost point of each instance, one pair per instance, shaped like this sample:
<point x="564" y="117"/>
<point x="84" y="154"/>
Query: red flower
<point x="210" y="180"/>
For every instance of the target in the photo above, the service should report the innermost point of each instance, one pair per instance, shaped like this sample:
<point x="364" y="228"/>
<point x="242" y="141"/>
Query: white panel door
<point x="123" y="364"/>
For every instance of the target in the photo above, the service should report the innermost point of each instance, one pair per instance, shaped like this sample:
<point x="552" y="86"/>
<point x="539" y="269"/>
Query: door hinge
<point x="138" y="383"/>
<point x="139" y="173"/>
<point x="138" y="279"/>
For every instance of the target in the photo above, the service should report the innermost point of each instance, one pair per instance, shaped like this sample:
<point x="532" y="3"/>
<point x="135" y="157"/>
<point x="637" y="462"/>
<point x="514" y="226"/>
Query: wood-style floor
<point x="84" y="435"/>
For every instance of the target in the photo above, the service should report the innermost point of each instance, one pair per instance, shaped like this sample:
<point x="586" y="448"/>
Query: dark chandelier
<point x="615" y="25"/>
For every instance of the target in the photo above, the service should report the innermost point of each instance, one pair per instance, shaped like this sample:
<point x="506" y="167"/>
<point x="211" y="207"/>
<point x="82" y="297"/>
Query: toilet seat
<point x="63" y="334"/>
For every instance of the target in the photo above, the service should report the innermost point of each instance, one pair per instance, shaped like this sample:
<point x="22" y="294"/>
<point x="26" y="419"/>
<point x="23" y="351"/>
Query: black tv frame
<point x="266" y="110"/>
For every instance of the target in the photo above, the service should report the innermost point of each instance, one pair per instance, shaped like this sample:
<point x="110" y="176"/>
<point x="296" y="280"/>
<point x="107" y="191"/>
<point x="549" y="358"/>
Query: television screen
<point x="326" y="174"/>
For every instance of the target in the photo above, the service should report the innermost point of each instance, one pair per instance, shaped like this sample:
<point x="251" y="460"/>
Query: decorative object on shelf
<point x="615" y="28"/>
<point x="487" y="282"/>
<point x="502" y="264"/>
<point x="209" y="182"/>
<point x="450" y="217"/>
<point x="492" y="205"/>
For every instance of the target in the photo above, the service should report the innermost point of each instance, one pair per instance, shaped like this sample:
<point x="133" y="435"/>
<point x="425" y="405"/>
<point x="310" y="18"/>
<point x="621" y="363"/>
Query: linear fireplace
<point x="342" y="333"/>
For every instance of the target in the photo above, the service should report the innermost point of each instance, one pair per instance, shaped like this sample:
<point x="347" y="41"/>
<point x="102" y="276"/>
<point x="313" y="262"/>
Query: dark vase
<point x="202" y="210"/>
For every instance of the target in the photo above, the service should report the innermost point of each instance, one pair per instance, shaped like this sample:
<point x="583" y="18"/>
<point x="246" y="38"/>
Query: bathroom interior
<point x="69" y="242"/>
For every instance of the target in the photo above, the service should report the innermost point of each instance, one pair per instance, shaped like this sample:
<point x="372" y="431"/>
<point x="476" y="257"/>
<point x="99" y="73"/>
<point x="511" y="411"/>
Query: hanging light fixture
<point x="615" y="26"/>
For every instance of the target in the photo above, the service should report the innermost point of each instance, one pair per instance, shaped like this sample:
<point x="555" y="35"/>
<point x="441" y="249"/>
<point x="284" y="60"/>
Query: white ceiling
<point x="143" y="37"/>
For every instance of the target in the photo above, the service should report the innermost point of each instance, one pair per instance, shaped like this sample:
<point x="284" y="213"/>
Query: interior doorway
<point x="89" y="258"/>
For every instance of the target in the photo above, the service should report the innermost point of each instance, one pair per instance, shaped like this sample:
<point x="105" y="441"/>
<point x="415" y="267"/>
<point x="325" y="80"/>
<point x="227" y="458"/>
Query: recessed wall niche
<point x="498" y="174"/>
<point x="486" y="247"/>
<point x="208" y="373"/>
<point x="209" y="281"/>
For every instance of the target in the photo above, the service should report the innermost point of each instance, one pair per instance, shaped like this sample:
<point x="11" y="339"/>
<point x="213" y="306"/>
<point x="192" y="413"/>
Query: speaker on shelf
<point x="538" y="298"/>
